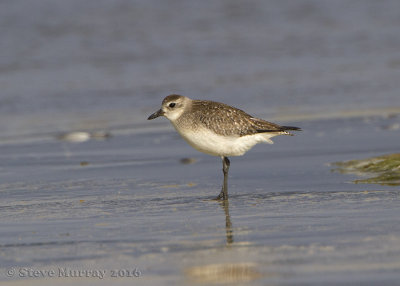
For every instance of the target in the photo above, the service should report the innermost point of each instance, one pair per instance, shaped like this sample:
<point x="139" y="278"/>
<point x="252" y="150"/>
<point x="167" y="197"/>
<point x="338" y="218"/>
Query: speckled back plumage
<point x="225" y="120"/>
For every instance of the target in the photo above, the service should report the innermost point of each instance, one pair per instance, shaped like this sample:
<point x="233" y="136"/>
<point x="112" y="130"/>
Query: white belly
<point x="211" y="143"/>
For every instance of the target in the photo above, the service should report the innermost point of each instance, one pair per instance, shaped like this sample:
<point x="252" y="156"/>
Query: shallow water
<point x="101" y="64"/>
<point x="290" y="220"/>
<point x="128" y="206"/>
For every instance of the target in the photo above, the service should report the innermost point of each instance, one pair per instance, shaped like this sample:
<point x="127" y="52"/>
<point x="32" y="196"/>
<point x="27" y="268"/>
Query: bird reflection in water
<point x="227" y="273"/>
<point x="228" y="224"/>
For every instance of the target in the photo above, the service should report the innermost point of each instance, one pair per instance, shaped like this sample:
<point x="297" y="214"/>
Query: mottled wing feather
<point x="217" y="116"/>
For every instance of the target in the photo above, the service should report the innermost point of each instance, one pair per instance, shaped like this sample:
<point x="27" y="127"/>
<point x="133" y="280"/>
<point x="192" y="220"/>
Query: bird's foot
<point x="222" y="196"/>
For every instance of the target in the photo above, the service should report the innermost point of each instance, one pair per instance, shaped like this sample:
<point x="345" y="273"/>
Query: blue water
<point x="97" y="64"/>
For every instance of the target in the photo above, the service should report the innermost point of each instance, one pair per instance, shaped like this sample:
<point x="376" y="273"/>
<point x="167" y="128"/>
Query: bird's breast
<point x="206" y="141"/>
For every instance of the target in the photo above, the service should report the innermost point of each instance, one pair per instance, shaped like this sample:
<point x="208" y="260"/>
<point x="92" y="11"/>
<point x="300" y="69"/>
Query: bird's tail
<point x="280" y="130"/>
<point x="291" y="128"/>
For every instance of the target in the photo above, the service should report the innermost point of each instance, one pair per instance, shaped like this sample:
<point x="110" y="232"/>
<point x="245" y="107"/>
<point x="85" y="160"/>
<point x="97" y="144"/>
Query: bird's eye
<point x="172" y="104"/>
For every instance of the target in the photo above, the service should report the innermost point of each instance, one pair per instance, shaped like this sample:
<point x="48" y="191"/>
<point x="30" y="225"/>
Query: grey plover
<point x="218" y="129"/>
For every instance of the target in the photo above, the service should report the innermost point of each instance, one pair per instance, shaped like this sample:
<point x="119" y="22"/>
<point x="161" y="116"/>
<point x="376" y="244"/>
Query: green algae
<point x="383" y="170"/>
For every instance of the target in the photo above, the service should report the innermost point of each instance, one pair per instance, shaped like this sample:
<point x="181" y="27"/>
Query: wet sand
<point x="133" y="205"/>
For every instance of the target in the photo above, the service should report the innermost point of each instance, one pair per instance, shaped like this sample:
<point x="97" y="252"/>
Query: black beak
<point x="156" y="114"/>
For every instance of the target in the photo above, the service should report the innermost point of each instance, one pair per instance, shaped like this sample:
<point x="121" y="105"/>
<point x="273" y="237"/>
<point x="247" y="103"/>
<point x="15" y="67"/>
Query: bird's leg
<point x="225" y="163"/>
<point x="225" y="168"/>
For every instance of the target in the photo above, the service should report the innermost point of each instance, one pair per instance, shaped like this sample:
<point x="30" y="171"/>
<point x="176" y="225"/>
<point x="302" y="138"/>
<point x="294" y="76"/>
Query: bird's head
<point x="172" y="107"/>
